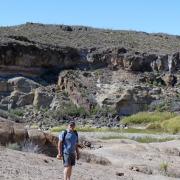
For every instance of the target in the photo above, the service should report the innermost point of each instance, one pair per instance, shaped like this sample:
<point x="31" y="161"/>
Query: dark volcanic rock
<point x="23" y="57"/>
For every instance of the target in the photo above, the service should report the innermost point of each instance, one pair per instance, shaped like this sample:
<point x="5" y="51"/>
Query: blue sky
<point x="141" y="15"/>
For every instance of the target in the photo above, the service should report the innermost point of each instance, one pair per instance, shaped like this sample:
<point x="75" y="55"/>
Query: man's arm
<point x="60" y="145"/>
<point x="60" y="148"/>
<point x="77" y="152"/>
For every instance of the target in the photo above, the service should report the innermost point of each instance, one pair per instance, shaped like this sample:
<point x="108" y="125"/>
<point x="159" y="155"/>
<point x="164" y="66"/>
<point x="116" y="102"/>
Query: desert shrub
<point x="58" y="128"/>
<point x="96" y="109"/>
<point x="171" y="125"/>
<point x="164" y="167"/>
<point x="147" y="117"/>
<point x="16" y="112"/>
<point x="103" y="111"/>
<point x="15" y="115"/>
<point x="14" y="146"/>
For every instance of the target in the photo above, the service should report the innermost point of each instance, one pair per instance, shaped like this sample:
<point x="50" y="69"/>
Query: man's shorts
<point x="69" y="159"/>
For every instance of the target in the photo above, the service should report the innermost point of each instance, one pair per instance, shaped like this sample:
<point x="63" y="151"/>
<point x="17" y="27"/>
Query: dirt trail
<point x="137" y="161"/>
<point x="15" y="165"/>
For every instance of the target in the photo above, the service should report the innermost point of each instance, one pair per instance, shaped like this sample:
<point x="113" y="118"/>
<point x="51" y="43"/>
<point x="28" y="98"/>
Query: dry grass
<point x="172" y="125"/>
<point x="148" y="117"/>
<point x="159" y="121"/>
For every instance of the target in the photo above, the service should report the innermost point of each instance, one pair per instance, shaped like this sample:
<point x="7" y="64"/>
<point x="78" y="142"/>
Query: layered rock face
<point x="32" y="59"/>
<point x="46" y="66"/>
<point x="143" y="62"/>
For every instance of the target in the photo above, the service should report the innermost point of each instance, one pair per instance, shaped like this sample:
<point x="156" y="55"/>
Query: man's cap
<point x="72" y="123"/>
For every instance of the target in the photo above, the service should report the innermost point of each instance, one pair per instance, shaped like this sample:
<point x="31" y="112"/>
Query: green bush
<point x="16" y="112"/>
<point x="164" y="167"/>
<point x="103" y="111"/>
<point x="148" y="117"/>
<point x="172" y="125"/>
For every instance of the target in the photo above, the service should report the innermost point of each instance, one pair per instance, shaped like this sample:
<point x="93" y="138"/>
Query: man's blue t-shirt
<point x="70" y="142"/>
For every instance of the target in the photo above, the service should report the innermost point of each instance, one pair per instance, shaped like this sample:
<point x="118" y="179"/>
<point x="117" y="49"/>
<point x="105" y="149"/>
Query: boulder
<point x="13" y="98"/>
<point x="50" y="147"/>
<point x="51" y="139"/>
<point x="5" y="87"/>
<point x="141" y="168"/>
<point x="18" y="99"/>
<point x="42" y="99"/>
<point x="133" y="100"/>
<point x="170" y="79"/>
<point x="6" y="132"/>
<point x="37" y="137"/>
<point x="20" y="134"/>
<point x="11" y="132"/>
<point x="23" y="84"/>
<point x="25" y="99"/>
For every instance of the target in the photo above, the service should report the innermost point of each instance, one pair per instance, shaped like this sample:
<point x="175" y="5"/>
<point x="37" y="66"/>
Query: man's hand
<point x="59" y="156"/>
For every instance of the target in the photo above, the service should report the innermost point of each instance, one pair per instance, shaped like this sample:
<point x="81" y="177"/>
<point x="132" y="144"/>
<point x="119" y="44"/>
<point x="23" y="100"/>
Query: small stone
<point x="46" y="161"/>
<point x="119" y="174"/>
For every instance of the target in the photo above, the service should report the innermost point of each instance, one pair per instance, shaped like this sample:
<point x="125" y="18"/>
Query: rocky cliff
<point x="86" y="71"/>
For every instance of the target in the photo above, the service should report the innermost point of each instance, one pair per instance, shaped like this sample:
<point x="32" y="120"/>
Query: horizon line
<point x="93" y="27"/>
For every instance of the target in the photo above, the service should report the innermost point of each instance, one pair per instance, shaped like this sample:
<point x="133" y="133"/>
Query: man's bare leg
<point x="67" y="172"/>
<point x="70" y="171"/>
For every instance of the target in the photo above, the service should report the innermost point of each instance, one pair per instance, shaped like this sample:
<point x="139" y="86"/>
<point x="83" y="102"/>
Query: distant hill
<point x="87" y="37"/>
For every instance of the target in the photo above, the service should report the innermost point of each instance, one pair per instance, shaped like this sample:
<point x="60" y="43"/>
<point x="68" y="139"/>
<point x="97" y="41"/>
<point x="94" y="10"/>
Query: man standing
<point x="68" y="149"/>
